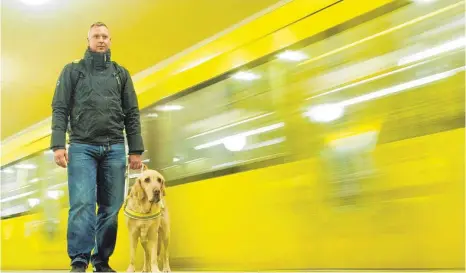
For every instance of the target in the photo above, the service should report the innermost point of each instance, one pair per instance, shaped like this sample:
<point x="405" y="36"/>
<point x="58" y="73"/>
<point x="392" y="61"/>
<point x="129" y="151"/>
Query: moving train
<point x="323" y="135"/>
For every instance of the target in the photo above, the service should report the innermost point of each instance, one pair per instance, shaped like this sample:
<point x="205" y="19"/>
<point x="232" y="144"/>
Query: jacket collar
<point x="98" y="60"/>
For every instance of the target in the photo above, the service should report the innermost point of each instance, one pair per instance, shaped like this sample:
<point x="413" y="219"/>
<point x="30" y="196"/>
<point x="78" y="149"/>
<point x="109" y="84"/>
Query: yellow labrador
<point x="147" y="221"/>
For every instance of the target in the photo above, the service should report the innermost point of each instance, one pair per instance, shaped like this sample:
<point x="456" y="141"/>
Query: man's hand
<point x="61" y="157"/>
<point x="135" y="162"/>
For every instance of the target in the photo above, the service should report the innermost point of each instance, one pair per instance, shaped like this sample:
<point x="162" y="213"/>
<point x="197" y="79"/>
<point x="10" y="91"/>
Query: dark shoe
<point x="78" y="267"/>
<point x="103" y="267"/>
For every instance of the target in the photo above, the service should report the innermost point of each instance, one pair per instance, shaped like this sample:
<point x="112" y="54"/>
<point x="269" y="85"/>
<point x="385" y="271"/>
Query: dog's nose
<point x="157" y="191"/>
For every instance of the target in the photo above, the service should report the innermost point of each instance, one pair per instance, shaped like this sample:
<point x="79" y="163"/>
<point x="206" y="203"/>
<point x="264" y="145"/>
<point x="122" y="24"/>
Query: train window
<point x="375" y="86"/>
<point x="230" y="123"/>
<point x="401" y="81"/>
<point x="369" y="78"/>
<point x="33" y="184"/>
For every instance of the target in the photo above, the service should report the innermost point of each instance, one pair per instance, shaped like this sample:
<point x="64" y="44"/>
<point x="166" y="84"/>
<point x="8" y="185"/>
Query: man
<point x="96" y="97"/>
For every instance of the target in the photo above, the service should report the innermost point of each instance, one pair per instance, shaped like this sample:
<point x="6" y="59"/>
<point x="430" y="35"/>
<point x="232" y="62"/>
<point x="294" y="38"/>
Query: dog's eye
<point x="159" y="179"/>
<point x="147" y="180"/>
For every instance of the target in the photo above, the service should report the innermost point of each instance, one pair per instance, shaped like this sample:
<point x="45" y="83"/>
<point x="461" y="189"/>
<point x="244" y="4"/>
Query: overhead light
<point x="195" y="160"/>
<point x="14" y="210"/>
<point x="33" y="202"/>
<point x="325" y="112"/>
<point x="25" y="166"/>
<point x="330" y="112"/>
<point x="243" y="134"/>
<point x="63" y="184"/>
<point x="168" y="107"/>
<point x="34" y="180"/>
<point x="176" y="159"/>
<point x="54" y="194"/>
<point x="402" y="87"/>
<point x="35" y="2"/>
<point x="449" y="46"/>
<point x="234" y="143"/>
<point x="232" y="125"/>
<point x="245" y="76"/>
<point x="291" y="55"/>
<point x="152" y="115"/>
<point x="17" y="196"/>
<point x="170" y="167"/>
<point x="228" y="164"/>
<point x="17" y="189"/>
<point x="366" y="80"/>
<point x="265" y="143"/>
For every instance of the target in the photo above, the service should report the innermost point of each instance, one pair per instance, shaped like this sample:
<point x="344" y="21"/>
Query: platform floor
<point x="326" y="271"/>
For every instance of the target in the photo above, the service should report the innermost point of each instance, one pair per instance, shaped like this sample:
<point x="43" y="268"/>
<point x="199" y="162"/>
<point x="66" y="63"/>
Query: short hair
<point x="96" y="24"/>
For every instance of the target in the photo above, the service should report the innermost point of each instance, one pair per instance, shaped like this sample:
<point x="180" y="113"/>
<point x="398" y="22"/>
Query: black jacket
<point x="95" y="97"/>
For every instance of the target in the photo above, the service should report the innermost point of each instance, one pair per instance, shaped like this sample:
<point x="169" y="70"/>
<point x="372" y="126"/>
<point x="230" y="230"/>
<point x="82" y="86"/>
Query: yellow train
<point x="330" y="136"/>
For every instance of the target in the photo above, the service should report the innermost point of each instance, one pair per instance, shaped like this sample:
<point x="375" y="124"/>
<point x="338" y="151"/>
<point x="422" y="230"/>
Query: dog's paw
<point x="131" y="269"/>
<point x="155" y="268"/>
<point x="166" y="269"/>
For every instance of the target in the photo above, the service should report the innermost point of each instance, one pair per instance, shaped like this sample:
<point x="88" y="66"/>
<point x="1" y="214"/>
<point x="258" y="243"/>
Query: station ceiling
<point x="38" y="40"/>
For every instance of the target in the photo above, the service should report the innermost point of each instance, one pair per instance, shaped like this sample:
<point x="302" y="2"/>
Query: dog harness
<point x="143" y="216"/>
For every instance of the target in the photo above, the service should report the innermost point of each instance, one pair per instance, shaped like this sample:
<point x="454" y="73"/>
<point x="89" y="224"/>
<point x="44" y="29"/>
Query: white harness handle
<point x="143" y="168"/>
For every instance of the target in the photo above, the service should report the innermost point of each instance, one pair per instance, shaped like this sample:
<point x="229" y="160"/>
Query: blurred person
<point x="95" y="99"/>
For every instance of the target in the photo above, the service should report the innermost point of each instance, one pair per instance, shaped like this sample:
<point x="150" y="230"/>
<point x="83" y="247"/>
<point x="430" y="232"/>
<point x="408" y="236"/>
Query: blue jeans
<point x="96" y="174"/>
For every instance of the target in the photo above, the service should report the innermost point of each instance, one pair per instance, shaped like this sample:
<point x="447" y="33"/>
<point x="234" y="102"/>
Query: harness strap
<point x="142" y="216"/>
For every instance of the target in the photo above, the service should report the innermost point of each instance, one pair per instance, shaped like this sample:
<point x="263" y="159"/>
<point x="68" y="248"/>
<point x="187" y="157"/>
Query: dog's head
<point x="150" y="186"/>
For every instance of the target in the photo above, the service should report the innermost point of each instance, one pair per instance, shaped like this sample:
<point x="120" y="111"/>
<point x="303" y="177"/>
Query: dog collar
<point x="143" y="216"/>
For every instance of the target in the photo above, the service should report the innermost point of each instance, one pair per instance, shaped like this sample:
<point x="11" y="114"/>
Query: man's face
<point x="99" y="39"/>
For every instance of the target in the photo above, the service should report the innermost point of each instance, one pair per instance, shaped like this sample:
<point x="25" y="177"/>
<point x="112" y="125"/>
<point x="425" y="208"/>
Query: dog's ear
<point x="137" y="190"/>
<point x="163" y="188"/>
